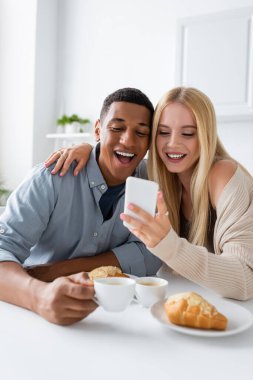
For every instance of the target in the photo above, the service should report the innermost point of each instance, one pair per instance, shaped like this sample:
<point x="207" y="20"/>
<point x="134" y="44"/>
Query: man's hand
<point x="66" y="300"/>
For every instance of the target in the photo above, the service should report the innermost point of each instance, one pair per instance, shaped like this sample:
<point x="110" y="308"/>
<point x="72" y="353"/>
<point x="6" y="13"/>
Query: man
<point x="74" y="222"/>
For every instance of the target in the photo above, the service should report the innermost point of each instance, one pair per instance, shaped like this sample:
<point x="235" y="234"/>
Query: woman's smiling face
<point x="177" y="139"/>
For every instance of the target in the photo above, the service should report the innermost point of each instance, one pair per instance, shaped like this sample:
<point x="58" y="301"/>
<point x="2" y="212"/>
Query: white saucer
<point x="239" y="319"/>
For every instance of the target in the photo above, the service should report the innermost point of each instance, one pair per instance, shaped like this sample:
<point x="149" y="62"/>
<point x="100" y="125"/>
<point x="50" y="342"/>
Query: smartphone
<point x="142" y="193"/>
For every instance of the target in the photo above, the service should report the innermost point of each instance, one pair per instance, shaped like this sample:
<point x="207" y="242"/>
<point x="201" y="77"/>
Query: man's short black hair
<point x="129" y="95"/>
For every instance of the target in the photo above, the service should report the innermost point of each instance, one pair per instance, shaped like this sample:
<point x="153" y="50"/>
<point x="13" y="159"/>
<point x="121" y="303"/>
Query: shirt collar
<point x="94" y="174"/>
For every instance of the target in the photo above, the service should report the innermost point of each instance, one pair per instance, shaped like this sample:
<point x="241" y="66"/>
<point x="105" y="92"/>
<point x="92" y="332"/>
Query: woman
<point x="204" y="225"/>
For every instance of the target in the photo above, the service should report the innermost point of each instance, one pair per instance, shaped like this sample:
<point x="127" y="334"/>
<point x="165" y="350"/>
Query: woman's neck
<point x="185" y="180"/>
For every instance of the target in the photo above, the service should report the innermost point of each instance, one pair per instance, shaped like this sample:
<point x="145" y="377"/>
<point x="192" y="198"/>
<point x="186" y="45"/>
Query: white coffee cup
<point x="114" y="293"/>
<point x="150" y="290"/>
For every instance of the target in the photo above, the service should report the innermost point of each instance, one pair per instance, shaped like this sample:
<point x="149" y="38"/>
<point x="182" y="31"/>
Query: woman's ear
<point x="97" y="130"/>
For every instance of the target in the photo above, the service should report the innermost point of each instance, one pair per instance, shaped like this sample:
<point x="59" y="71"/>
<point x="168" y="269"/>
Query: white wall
<point x="46" y="54"/>
<point x="17" y="55"/>
<point x="87" y="49"/>
<point x="131" y="43"/>
<point x="114" y="43"/>
<point x="237" y="139"/>
<point x="215" y="55"/>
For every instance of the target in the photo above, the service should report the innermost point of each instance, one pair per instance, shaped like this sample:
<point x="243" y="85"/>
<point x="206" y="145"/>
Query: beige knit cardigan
<point x="229" y="270"/>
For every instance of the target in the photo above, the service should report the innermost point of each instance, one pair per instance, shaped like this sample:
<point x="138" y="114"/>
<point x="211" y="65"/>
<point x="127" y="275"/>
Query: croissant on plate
<point x="192" y="310"/>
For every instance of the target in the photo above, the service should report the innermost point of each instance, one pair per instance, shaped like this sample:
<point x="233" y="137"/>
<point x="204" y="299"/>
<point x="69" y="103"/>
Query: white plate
<point x="239" y="319"/>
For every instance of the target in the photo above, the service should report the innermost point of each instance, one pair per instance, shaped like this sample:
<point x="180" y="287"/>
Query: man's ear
<point x="97" y="130"/>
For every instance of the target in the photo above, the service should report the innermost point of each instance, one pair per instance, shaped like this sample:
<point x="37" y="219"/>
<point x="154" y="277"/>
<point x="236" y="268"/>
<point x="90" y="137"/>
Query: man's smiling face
<point x="124" y="135"/>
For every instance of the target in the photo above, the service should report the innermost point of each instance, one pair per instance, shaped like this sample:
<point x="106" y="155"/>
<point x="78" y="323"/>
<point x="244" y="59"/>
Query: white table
<point x="120" y="346"/>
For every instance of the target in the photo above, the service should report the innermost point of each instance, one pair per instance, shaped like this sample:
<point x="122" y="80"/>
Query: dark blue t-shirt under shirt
<point x="109" y="200"/>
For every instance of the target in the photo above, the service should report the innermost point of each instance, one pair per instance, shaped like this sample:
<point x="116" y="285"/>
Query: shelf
<point x="66" y="136"/>
<point x="63" y="140"/>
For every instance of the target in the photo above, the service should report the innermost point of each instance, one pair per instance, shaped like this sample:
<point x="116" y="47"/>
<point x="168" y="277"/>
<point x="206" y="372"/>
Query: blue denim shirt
<point x="49" y="218"/>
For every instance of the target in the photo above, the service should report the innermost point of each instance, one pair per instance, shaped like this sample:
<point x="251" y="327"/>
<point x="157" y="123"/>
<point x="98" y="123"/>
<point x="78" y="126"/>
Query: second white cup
<point x="150" y="290"/>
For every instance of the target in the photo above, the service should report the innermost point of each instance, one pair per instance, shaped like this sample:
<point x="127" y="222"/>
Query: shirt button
<point x="95" y="234"/>
<point x="92" y="183"/>
<point x="102" y="187"/>
<point x="1" y="230"/>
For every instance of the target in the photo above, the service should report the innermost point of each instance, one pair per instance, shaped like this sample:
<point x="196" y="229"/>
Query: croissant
<point x="106" y="271"/>
<point x="192" y="310"/>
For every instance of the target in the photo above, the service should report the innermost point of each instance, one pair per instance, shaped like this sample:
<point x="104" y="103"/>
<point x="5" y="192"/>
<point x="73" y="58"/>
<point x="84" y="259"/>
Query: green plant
<point x="63" y="120"/>
<point x="4" y="194"/>
<point x="84" y="121"/>
<point x="71" y="119"/>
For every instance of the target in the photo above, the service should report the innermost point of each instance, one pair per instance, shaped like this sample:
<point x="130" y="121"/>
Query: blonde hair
<point x="211" y="149"/>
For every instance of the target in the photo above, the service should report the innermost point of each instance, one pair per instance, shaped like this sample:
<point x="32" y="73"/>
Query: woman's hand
<point x="66" y="156"/>
<point x="151" y="230"/>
